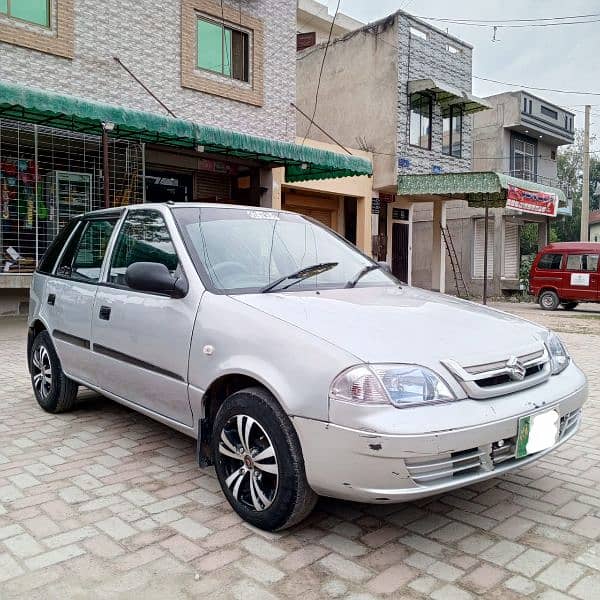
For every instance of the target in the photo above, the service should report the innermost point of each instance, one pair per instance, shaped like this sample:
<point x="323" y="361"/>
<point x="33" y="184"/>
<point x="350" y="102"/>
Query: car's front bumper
<point x="366" y="466"/>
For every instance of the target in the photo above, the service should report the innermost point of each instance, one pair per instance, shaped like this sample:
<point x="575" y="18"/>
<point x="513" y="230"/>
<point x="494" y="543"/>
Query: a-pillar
<point x="438" y="248"/>
<point x="270" y="183"/>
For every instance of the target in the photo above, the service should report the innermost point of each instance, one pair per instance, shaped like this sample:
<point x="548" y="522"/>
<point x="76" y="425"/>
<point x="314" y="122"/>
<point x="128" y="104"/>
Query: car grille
<point x="458" y="465"/>
<point x="489" y="380"/>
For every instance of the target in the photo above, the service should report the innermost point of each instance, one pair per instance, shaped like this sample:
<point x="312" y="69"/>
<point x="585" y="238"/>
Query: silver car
<point x="301" y="366"/>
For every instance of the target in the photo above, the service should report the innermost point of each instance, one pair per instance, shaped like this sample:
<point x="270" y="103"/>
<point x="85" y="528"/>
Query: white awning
<point x="447" y="95"/>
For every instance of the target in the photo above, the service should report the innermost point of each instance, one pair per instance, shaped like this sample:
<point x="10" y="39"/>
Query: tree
<point x="569" y="166"/>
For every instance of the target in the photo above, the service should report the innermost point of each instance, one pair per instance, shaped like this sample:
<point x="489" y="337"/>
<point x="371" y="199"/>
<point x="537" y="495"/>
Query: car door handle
<point x="51" y="299"/>
<point x="104" y="313"/>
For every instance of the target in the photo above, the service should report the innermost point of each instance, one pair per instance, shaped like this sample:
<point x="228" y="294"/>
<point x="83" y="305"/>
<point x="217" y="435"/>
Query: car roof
<point x="573" y="247"/>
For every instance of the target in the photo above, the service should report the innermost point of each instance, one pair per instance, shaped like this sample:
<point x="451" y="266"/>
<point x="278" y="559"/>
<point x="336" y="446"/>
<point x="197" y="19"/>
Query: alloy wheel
<point x="250" y="462"/>
<point x="42" y="371"/>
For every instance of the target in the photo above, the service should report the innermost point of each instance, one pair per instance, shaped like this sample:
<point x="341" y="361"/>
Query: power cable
<point x="496" y="21"/>
<point x="337" y="8"/>
<point x="531" y="87"/>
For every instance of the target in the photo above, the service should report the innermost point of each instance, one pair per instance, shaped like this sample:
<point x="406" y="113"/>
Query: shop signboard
<point x="533" y="202"/>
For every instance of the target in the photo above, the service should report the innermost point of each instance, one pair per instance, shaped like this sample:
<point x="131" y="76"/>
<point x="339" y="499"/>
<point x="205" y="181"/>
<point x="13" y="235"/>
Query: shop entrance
<point x="400" y="234"/>
<point x="169" y="187"/>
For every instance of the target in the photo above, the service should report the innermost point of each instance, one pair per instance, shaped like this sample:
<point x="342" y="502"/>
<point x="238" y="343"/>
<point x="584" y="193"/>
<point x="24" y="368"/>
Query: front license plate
<point x="537" y="433"/>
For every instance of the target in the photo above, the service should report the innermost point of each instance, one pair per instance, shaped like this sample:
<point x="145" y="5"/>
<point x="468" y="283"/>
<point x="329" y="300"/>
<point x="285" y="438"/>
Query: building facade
<point x="400" y="89"/>
<point x="315" y="22"/>
<point x="99" y="106"/>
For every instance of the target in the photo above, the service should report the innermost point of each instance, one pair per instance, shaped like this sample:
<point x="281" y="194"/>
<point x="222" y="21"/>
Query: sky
<point x="565" y="57"/>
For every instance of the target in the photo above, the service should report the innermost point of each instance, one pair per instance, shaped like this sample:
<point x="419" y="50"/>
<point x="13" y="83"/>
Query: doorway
<point x="400" y="235"/>
<point x="165" y="187"/>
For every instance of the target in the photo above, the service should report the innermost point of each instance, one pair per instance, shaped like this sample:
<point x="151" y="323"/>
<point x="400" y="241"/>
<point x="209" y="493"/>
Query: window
<point x="524" y="104"/>
<point x="83" y="258"/>
<point x="32" y="11"/>
<point x="420" y="120"/>
<point x="452" y="49"/>
<point x="550" y="262"/>
<point x="144" y="237"/>
<point x="523" y="159"/>
<point x="222" y="50"/>
<point x="53" y="252"/>
<point x="452" y="131"/>
<point x="418" y="33"/>
<point x="530" y="106"/>
<point x="549" y="112"/>
<point x="582" y="262"/>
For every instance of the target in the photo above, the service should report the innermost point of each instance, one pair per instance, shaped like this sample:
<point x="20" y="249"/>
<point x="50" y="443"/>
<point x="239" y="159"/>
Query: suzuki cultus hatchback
<point x="301" y="366"/>
<point x="566" y="274"/>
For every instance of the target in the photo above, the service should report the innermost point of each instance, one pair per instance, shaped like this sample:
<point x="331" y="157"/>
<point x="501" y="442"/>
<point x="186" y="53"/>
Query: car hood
<point x="405" y="325"/>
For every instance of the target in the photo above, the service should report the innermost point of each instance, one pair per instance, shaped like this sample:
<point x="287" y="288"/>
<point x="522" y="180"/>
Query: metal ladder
<point x="462" y="291"/>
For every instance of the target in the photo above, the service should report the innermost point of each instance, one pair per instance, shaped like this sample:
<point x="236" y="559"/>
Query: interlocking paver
<point x="105" y="499"/>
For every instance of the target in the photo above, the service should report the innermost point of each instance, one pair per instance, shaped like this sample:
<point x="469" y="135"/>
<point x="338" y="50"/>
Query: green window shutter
<point x="34" y="11"/>
<point x="210" y="46"/>
<point x="4" y="6"/>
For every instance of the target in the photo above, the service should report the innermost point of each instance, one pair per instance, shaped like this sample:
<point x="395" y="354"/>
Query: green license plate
<point x="537" y="432"/>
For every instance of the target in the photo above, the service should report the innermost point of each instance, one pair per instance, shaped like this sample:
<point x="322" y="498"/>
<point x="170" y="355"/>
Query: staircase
<point x="462" y="291"/>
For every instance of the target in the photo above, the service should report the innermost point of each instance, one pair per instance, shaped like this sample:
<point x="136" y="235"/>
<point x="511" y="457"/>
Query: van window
<point x="550" y="261"/>
<point x="582" y="262"/>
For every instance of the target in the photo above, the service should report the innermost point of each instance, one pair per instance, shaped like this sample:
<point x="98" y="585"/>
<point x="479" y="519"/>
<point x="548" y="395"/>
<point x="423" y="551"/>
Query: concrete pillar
<point x="438" y="248"/>
<point x="543" y="234"/>
<point x="271" y="179"/>
<point x="363" y="225"/>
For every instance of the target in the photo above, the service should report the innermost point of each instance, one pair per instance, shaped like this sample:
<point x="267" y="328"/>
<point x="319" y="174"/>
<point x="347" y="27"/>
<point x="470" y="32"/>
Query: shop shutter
<point x="510" y="268"/>
<point x="212" y="187"/>
<point x="478" y="245"/>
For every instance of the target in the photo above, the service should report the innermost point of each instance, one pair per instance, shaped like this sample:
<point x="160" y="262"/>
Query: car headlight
<point x="559" y="357"/>
<point x="404" y="386"/>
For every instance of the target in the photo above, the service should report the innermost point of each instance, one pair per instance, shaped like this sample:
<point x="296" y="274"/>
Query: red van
<point x="566" y="274"/>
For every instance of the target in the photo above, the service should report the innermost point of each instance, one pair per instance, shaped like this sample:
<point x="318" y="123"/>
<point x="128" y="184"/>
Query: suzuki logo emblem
<point x="516" y="370"/>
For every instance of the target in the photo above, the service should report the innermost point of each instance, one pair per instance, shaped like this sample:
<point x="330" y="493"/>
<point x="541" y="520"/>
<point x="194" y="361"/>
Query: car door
<point x="141" y="340"/>
<point x="582" y="277"/>
<point x="70" y="293"/>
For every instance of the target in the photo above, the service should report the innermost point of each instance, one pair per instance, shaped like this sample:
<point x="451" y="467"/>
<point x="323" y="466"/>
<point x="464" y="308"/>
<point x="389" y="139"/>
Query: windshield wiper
<point x="364" y="271"/>
<point x="300" y="275"/>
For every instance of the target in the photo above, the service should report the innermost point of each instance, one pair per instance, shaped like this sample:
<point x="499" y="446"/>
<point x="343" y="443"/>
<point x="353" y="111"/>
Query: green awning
<point x="301" y="163"/>
<point x="475" y="187"/>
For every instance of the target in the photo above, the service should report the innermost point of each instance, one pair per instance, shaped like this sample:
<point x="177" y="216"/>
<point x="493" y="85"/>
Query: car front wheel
<point x="258" y="460"/>
<point x="53" y="390"/>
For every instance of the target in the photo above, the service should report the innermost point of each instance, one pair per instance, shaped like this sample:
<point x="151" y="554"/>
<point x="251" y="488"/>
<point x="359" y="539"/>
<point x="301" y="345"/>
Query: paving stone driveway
<point x="106" y="503"/>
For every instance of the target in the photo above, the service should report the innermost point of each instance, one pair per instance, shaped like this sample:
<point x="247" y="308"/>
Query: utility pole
<point x="585" y="193"/>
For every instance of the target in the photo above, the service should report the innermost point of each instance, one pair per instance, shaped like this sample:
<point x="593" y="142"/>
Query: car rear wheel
<point x="259" y="463"/>
<point x="569" y="305"/>
<point x="549" y="300"/>
<point x="53" y="390"/>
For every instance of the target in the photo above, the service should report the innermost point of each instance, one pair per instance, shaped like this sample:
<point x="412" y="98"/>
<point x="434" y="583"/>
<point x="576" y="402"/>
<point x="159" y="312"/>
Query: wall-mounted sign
<point x="529" y="201"/>
<point x="375" y="204"/>
<point x="387" y="197"/>
<point x="437" y="170"/>
<point x="582" y="279"/>
<point x="205" y="164"/>
<point x="400" y="214"/>
<point x="404" y="163"/>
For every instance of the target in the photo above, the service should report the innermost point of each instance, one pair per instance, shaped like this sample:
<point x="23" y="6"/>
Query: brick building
<point x="193" y="99"/>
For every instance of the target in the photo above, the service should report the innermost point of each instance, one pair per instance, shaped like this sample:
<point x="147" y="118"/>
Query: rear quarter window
<point x="550" y="262"/>
<point x="51" y="255"/>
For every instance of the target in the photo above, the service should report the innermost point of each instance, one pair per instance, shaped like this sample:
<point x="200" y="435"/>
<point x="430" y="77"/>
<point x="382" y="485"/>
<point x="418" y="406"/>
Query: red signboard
<point x="528" y="201"/>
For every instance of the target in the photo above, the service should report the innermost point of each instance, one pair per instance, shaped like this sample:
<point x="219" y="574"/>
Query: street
<point x="104" y="502"/>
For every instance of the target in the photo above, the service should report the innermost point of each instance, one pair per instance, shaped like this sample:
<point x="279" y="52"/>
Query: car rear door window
<point x="550" y="262"/>
<point x="84" y="256"/>
<point x="582" y="262"/>
<point x="144" y="237"/>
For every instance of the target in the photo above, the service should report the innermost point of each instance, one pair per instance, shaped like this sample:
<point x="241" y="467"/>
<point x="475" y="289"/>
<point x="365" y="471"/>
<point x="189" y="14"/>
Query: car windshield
<point x="247" y="250"/>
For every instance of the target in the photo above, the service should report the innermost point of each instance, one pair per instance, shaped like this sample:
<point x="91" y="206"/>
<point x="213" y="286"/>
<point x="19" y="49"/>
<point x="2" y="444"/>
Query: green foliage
<point x="570" y="175"/>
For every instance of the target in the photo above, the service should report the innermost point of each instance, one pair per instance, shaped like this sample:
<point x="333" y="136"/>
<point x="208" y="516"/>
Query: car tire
<point x="549" y="300"/>
<point x="271" y="493"/>
<point x="570" y="305"/>
<point x="53" y="390"/>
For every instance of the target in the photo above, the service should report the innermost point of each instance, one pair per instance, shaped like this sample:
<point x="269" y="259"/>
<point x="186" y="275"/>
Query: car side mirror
<point x="156" y="278"/>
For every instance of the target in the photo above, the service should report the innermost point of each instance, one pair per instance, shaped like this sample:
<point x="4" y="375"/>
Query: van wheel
<point x="549" y="300"/>
<point x="569" y="305"/>
<point x="259" y="463"/>
<point x="53" y="390"/>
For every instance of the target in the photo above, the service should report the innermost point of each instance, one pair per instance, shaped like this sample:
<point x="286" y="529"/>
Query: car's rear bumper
<point x="370" y="467"/>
